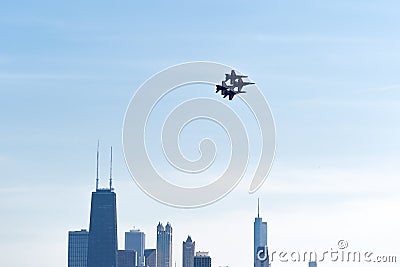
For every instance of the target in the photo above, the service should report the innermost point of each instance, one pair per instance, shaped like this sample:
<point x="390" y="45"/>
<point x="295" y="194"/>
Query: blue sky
<point x="329" y="70"/>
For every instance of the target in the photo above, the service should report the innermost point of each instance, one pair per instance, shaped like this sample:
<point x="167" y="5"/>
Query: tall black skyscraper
<point x="102" y="246"/>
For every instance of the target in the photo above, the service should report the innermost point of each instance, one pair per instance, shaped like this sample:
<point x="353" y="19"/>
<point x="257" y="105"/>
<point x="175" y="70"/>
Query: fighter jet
<point x="240" y="83"/>
<point x="232" y="77"/>
<point x="232" y="93"/>
<point x="223" y="87"/>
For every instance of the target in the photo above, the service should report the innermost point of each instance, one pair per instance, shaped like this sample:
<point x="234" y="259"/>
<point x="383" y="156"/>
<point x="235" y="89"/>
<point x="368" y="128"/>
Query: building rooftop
<point x="201" y="254"/>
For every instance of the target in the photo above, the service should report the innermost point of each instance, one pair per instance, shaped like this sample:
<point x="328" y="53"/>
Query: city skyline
<point x="78" y="242"/>
<point x="99" y="245"/>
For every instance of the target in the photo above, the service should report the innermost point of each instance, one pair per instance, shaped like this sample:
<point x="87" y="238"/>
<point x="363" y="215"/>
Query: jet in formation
<point x="235" y="81"/>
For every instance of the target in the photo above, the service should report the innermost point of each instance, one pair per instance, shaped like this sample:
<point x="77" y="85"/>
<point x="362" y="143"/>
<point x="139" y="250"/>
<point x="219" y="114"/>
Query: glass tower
<point x="164" y="245"/>
<point x="188" y="249"/>
<point x="135" y="240"/>
<point x="260" y="242"/>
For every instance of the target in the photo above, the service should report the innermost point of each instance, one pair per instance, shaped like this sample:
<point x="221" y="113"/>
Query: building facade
<point x="150" y="257"/>
<point x="135" y="240"/>
<point x="188" y="249"/>
<point x="102" y="246"/>
<point x="164" y="245"/>
<point x="77" y="248"/>
<point x="126" y="258"/>
<point x="202" y="259"/>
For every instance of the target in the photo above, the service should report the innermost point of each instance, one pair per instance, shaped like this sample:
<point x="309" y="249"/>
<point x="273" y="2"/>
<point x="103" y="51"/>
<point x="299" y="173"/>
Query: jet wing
<point x="221" y="88"/>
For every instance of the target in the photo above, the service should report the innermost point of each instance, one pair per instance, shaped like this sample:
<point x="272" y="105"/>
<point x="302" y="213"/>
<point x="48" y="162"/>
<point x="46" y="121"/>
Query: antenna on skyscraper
<point x="97" y="166"/>
<point x="258" y="207"/>
<point x="111" y="170"/>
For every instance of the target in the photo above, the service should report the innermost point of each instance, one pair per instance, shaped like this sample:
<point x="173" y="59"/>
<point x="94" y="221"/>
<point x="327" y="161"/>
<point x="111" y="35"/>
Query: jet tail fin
<point x="227" y="77"/>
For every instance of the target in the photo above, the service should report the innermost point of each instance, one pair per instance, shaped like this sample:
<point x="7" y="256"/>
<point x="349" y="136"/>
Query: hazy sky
<point x="329" y="69"/>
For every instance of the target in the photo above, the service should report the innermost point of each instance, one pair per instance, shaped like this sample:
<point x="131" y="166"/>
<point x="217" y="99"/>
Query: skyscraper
<point x="77" y="248"/>
<point x="150" y="257"/>
<point x="135" y="240"/>
<point x="202" y="259"/>
<point x="188" y="249"/>
<point x="126" y="258"/>
<point x="260" y="241"/>
<point x="164" y="245"/>
<point x="102" y="247"/>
